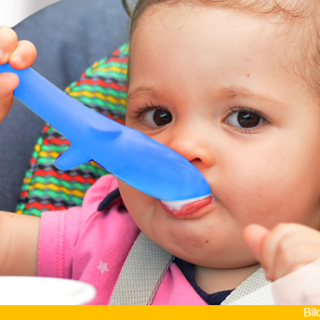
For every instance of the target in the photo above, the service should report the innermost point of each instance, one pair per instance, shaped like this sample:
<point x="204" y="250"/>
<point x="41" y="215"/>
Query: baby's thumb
<point x="254" y="236"/>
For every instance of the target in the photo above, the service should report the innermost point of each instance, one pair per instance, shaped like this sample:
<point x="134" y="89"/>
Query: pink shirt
<point x="84" y="244"/>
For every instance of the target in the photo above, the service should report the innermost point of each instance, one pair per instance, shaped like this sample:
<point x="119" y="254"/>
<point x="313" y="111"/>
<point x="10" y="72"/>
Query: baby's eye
<point x="246" y="119"/>
<point x="157" y="117"/>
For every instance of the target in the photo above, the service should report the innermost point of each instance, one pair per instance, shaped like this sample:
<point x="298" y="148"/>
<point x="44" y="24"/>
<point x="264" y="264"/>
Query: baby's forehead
<point x="296" y="21"/>
<point x="290" y="20"/>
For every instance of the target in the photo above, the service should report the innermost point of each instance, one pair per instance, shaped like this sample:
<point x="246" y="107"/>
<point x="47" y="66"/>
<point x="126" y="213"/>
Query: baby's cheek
<point x="262" y="195"/>
<point x="248" y="207"/>
<point x="136" y="202"/>
<point x="128" y="195"/>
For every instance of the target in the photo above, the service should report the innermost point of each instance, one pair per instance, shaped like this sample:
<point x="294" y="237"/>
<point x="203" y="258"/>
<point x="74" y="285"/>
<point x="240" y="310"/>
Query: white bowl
<point x="44" y="291"/>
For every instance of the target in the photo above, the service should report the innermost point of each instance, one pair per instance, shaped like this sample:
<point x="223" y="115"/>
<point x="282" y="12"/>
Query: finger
<point x="8" y="82"/>
<point x="290" y="261"/>
<point x="8" y="43"/>
<point x="298" y="248"/>
<point x="254" y="236"/>
<point x="24" y="55"/>
<point x="7" y="104"/>
<point x="294" y="267"/>
<point x="270" y="247"/>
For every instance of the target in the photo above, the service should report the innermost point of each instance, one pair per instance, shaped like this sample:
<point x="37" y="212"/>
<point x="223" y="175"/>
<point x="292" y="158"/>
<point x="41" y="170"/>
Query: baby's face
<point x="217" y="87"/>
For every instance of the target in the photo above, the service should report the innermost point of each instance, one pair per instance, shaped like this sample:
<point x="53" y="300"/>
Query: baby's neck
<point x="215" y="280"/>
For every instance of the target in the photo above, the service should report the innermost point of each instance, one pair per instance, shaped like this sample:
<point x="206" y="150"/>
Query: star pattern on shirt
<point x="103" y="266"/>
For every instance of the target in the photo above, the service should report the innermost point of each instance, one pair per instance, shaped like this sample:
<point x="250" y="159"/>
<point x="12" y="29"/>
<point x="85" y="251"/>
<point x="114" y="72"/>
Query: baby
<point x="233" y="86"/>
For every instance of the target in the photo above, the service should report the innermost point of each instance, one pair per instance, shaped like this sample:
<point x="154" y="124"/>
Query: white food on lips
<point x="176" y="205"/>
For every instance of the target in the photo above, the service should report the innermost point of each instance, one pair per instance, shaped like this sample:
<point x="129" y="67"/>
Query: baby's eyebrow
<point x="142" y="91"/>
<point x="233" y="92"/>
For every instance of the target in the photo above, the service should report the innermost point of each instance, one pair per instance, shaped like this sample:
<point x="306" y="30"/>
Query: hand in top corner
<point x="20" y="54"/>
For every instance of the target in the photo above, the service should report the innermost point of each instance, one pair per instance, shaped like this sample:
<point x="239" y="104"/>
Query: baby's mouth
<point x="187" y="208"/>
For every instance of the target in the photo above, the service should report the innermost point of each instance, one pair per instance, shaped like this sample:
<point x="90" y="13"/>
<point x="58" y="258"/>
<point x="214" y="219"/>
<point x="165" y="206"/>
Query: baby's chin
<point x="205" y="248"/>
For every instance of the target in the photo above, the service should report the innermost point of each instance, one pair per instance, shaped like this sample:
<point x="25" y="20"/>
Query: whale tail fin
<point x="71" y="158"/>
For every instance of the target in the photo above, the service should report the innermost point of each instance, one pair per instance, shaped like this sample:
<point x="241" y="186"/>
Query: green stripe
<point x="32" y="212"/>
<point x="54" y="148"/>
<point x="101" y="103"/>
<point x="71" y="185"/>
<point x="110" y="64"/>
<point x="46" y="160"/>
<point x="54" y="195"/>
<point x="49" y="161"/>
<point x="115" y="75"/>
<point x="105" y="91"/>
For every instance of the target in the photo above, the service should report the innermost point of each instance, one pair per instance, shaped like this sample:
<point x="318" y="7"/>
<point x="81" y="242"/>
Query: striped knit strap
<point x="141" y="274"/>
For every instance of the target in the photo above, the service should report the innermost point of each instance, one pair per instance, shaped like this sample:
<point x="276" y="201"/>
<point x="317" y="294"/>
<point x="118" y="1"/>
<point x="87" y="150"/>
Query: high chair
<point x="70" y="35"/>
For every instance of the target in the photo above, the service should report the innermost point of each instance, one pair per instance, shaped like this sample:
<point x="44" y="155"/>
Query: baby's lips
<point x="186" y="208"/>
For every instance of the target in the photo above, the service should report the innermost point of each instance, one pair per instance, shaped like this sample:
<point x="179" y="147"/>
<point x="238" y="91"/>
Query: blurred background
<point x="14" y="11"/>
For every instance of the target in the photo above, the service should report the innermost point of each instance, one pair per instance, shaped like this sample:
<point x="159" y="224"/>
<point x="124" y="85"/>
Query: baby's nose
<point x="195" y="149"/>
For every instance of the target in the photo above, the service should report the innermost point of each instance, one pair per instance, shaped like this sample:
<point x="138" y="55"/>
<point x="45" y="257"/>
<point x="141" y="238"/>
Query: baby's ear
<point x="254" y="236"/>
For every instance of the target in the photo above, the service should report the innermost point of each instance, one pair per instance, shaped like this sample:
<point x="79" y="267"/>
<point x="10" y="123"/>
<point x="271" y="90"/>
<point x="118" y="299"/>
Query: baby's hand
<point x="20" y="55"/>
<point x="283" y="250"/>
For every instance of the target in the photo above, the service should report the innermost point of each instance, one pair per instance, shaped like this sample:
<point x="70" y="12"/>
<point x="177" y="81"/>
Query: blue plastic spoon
<point x="136" y="159"/>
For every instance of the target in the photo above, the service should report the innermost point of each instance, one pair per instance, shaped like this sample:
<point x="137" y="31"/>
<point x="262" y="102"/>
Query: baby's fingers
<point x="23" y="56"/>
<point x="254" y="235"/>
<point x="8" y="43"/>
<point x="20" y="54"/>
<point x="276" y="244"/>
<point x="296" y="250"/>
<point x="287" y="246"/>
<point x="8" y="81"/>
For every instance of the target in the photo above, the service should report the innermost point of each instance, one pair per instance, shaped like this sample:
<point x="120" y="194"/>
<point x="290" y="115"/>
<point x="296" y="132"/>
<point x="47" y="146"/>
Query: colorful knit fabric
<point x="102" y="87"/>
